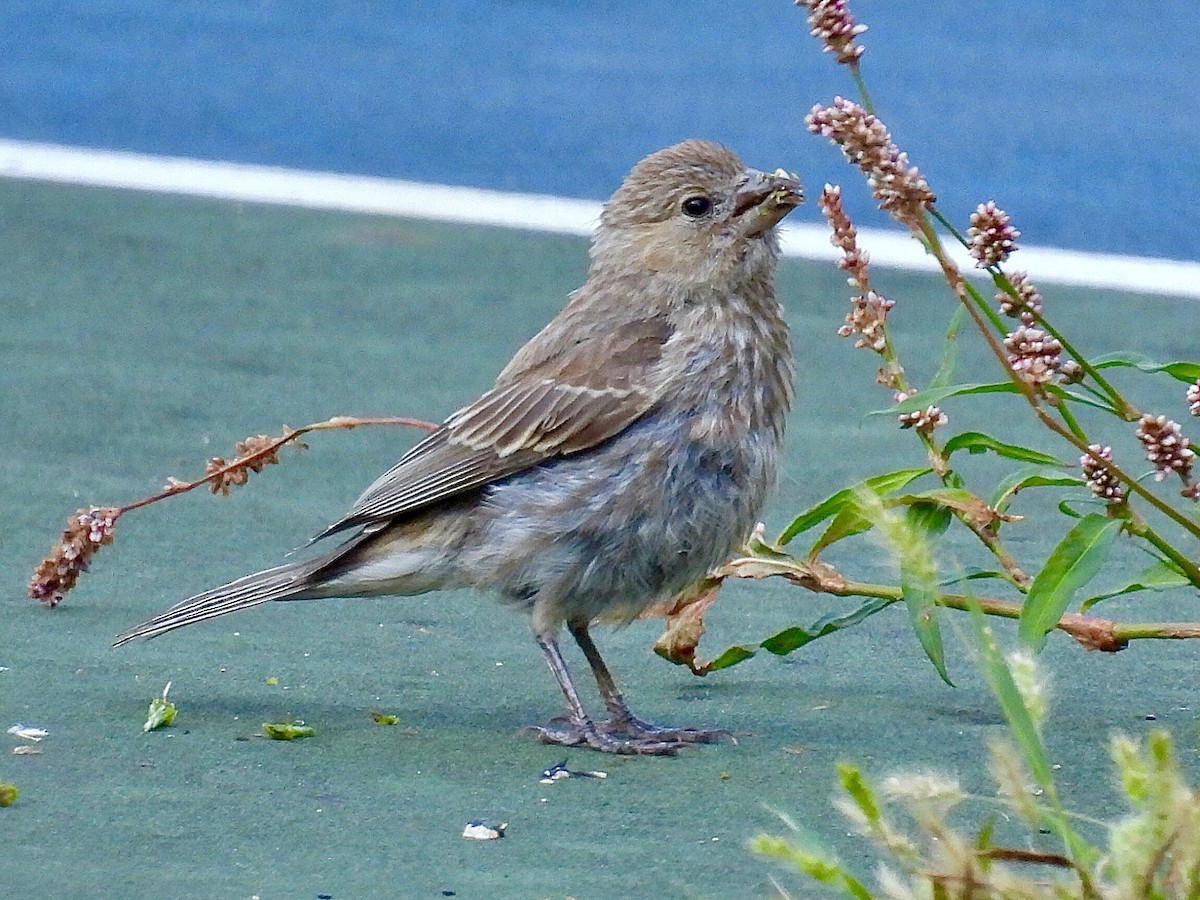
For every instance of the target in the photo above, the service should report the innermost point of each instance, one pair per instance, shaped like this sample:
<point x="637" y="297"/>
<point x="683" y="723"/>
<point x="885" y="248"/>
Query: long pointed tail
<point x="280" y="583"/>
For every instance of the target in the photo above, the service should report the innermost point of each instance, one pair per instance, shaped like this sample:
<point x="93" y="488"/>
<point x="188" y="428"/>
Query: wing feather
<point x="568" y="398"/>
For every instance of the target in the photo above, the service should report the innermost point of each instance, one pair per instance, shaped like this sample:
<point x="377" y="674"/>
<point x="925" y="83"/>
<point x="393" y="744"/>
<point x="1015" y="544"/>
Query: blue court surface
<point x="146" y="331"/>
<point x="1076" y="117"/>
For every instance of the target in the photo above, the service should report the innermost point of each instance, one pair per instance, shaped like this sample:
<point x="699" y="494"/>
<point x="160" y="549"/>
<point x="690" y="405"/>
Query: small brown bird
<point x="623" y="452"/>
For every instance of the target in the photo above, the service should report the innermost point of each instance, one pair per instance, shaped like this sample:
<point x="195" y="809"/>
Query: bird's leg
<point x="578" y="728"/>
<point x="621" y="719"/>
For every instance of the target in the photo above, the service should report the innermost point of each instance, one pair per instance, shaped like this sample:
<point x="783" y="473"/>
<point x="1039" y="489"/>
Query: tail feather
<point x="280" y="583"/>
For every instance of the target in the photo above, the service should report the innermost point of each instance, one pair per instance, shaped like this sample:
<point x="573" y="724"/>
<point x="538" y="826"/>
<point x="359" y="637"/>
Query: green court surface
<point x="143" y="334"/>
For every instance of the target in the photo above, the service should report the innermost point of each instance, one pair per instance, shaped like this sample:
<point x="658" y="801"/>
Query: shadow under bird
<point x="624" y="452"/>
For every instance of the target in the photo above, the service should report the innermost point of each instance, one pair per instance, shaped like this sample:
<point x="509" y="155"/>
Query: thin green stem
<point x="1098" y="395"/>
<point x="963" y="291"/>
<point x="939" y="462"/>
<point x="1128" y="480"/>
<point x="994" y="317"/>
<point x="1122" y="407"/>
<point x="1113" y="394"/>
<point x="948" y="225"/>
<point x="1092" y="632"/>
<point x="1156" y="631"/>
<point x="1138" y="526"/>
<point x="1071" y="422"/>
<point x="861" y="86"/>
<point x="978" y="309"/>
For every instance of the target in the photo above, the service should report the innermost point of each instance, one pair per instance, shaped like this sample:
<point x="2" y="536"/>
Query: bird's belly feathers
<point x="607" y="532"/>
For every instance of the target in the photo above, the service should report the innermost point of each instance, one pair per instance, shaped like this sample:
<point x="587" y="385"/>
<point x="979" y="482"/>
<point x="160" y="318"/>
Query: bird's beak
<point x="765" y="198"/>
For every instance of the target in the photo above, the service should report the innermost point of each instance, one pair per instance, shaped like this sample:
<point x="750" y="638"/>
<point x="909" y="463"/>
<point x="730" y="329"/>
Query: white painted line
<point x="1046" y="265"/>
<point x="293" y="187"/>
<point x="443" y="203"/>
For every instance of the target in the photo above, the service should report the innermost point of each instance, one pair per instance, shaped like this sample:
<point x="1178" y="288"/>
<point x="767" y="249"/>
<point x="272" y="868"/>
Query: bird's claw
<point x="570" y="733"/>
<point x="630" y="725"/>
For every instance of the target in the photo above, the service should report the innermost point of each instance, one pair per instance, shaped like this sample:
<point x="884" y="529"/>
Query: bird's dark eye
<point x="696" y="206"/>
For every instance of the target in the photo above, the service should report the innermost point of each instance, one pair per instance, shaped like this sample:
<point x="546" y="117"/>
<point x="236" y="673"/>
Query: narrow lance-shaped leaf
<point x="1161" y="576"/>
<point x="1024" y="730"/>
<point x="970" y="574"/>
<point x="1067" y="508"/>
<point x="1179" y="370"/>
<point x="934" y="396"/>
<point x="1071" y="565"/>
<point x="935" y="506"/>
<point x="1024" y="478"/>
<point x="930" y="511"/>
<point x="732" y="656"/>
<point x="1062" y="393"/>
<point x="878" y="484"/>
<point x="978" y="442"/>
<point x="944" y="500"/>
<point x="908" y="537"/>
<point x="1020" y="721"/>
<point x="794" y="638"/>
<point x="847" y="523"/>
<point x="918" y="584"/>
<point x="949" y="349"/>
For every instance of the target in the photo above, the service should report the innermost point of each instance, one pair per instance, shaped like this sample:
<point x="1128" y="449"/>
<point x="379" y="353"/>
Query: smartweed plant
<point x="1148" y="499"/>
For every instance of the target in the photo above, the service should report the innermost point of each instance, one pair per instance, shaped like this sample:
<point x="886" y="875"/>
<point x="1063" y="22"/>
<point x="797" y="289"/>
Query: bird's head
<point x="693" y="212"/>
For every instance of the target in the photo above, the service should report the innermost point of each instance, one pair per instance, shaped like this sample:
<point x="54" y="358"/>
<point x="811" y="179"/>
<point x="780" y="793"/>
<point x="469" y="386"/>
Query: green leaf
<point x="977" y="575"/>
<point x="950" y="348"/>
<point x="983" y="840"/>
<point x="846" y="523"/>
<point x="909" y="539"/>
<point x="1179" y="370"/>
<point x="934" y="396"/>
<point x="922" y="614"/>
<point x="794" y="638"/>
<point x="287" y="731"/>
<point x="1067" y="509"/>
<point x="1020" y="721"/>
<point x="1018" y="481"/>
<point x="732" y="656"/>
<point x="1023" y="728"/>
<point x="948" y="499"/>
<point x="918" y="585"/>
<point x="878" y="484"/>
<point x="1071" y="565"/>
<point x="1062" y="393"/>
<point x="1161" y="576"/>
<point x="978" y="442"/>
<point x="931" y="514"/>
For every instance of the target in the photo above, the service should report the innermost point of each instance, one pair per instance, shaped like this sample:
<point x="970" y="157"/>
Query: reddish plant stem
<point x="289" y="435"/>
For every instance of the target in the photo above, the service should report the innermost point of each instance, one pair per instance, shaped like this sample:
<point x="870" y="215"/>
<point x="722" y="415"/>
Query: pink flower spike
<point x="899" y="187"/>
<point x="835" y="28"/>
<point x="992" y="237"/>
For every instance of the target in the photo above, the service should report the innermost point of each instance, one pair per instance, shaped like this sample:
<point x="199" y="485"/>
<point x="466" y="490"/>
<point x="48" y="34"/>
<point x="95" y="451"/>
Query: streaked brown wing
<point x="572" y="397"/>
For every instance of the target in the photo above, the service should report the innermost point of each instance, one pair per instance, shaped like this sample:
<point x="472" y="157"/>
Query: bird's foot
<point x="570" y="733"/>
<point x="627" y="723"/>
